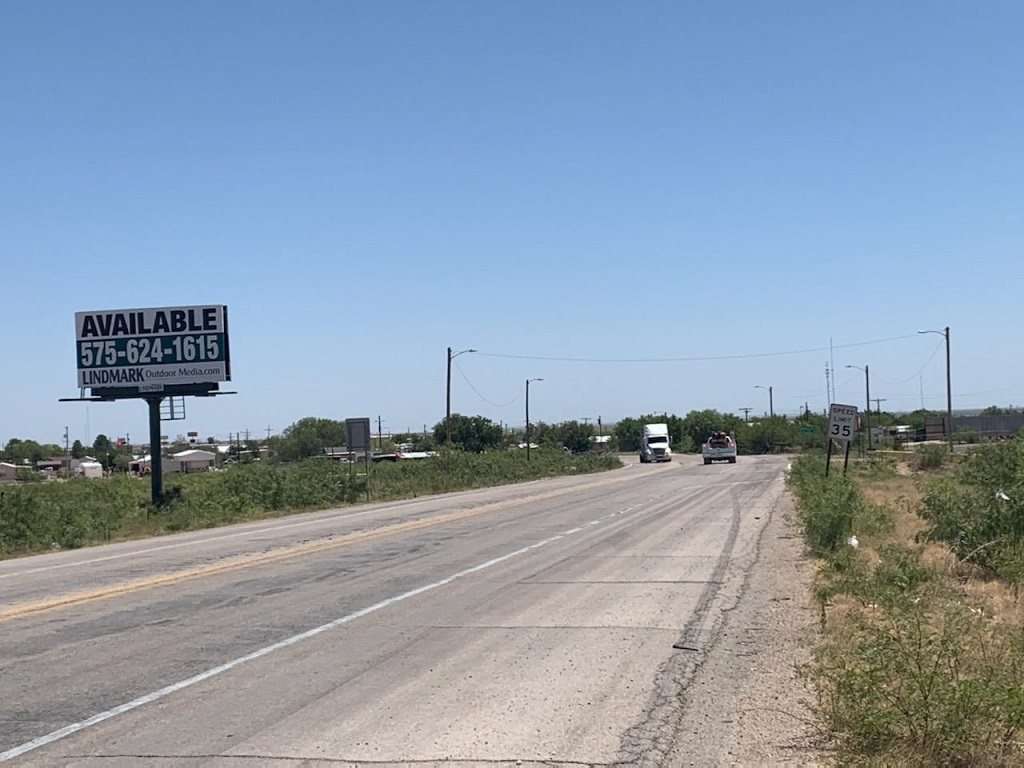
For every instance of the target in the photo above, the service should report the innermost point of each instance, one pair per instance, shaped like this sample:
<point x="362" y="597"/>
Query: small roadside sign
<point x="807" y="430"/>
<point x="357" y="435"/>
<point x="842" y="422"/>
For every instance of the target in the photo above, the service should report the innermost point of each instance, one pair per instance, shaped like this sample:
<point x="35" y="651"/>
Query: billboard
<point x="148" y="349"/>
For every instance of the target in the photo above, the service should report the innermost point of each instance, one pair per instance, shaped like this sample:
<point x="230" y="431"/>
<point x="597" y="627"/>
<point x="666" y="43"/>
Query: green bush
<point x="909" y="675"/>
<point x="930" y="456"/>
<point x="831" y="509"/>
<point x="81" y="512"/>
<point x="980" y="512"/>
<point x="911" y="685"/>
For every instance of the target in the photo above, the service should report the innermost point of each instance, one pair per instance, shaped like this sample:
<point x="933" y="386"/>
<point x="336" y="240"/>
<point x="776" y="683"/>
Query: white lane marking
<point x="173" y="688"/>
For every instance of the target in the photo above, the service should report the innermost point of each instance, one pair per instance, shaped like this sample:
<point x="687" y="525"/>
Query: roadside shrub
<point x="876" y="467"/>
<point x="80" y="512"/>
<point x="916" y="686"/>
<point x="831" y="509"/>
<point x="930" y="456"/>
<point x="967" y="435"/>
<point x="979" y="513"/>
<point x="907" y="673"/>
<point x="66" y="514"/>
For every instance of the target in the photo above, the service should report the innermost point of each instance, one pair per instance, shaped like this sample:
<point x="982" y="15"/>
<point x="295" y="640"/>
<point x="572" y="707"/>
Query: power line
<point x="919" y="370"/>
<point x="693" y="359"/>
<point x="489" y="402"/>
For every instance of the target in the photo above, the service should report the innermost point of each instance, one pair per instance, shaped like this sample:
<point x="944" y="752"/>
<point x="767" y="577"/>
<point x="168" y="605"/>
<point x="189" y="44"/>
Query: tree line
<point x="310" y="436"/>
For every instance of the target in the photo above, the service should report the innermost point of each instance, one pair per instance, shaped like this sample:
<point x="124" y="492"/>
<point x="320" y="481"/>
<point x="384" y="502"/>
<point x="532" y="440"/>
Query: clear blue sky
<point x="367" y="183"/>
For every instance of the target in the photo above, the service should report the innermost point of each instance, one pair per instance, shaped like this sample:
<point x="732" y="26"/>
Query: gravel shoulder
<point x="745" y="704"/>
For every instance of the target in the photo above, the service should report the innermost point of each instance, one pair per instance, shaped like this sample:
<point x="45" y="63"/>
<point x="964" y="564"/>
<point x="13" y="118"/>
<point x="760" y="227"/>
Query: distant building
<point x="8" y="472"/>
<point x="1001" y="425"/>
<point x="86" y="467"/>
<point x="194" y="460"/>
<point x="143" y="465"/>
<point x="52" y="465"/>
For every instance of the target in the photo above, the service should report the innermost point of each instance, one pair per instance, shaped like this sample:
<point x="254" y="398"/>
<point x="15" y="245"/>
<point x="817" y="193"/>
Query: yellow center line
<point x="282" y="553"/>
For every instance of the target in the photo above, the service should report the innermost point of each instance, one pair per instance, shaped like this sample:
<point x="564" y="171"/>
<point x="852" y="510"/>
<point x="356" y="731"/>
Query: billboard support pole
<point x="156" y="464"/>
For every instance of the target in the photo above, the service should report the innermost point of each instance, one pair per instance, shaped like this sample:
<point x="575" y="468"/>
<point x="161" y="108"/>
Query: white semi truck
<point x="654" y="444"/>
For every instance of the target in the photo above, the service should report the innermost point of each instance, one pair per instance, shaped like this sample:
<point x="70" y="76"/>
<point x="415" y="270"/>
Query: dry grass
<point x="903" y="494"/>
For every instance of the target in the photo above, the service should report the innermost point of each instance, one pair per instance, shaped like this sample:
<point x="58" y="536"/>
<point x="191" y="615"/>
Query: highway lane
<point x="532" y="623"/>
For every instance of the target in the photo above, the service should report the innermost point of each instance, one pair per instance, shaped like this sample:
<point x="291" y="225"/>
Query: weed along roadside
<point x="39" y="517"/>
<point x="920" y="658"/>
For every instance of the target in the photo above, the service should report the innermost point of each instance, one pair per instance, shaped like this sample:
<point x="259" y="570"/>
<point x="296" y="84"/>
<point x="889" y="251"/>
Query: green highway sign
<point x="808" y="430"/>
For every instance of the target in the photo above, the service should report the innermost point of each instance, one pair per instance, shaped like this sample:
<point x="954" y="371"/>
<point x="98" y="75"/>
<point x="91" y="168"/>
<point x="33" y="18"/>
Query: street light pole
<point x="448" y="395"/>
<point x="867" y="411"/>
<point x="771" y="403"/>
<point x="949" y="389"/>
<point x="528" y="416"/>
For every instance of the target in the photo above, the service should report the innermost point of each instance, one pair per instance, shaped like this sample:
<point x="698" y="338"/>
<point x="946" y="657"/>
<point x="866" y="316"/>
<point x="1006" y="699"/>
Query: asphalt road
<point x="557" y="622"/>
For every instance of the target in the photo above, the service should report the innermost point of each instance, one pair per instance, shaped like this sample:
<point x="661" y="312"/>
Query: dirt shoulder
<point x="776" y="724"/>
<point x="745" y="704"/>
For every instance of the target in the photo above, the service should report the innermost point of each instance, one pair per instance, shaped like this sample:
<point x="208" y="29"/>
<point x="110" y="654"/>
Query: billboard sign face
<point x="357" y="434"/>
<point x="149" y="349"/>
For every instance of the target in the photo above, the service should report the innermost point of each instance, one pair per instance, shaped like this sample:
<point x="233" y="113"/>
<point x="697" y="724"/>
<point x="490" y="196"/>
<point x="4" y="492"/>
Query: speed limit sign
<point x="842" y="422"/>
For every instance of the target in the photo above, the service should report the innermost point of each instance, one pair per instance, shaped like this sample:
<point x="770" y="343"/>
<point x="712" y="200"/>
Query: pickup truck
<point x="719" y="447"/>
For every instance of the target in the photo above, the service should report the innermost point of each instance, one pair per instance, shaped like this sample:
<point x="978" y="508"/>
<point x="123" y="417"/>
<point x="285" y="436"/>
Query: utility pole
<point x="528" y="416"/>
<point x="448" y="402"/>
<point x="878" y="404"/>
<point x="949" y="394"/>
<point x="867" y="391"/>
<point x="771" y="400"/>
<point x="448" y="395"/>
<point x="746" y="413"/>
<point x="380" y="436"/>
<point x="949" y="389"/>
<point x="268" y="432"/>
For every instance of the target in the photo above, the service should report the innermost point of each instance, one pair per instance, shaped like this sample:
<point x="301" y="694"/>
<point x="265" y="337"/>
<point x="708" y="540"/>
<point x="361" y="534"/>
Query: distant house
<point x="143" y="465"/>
<point x="195" y="460"/>
<point x="8" y="472"/>
<point x="52" y="465"/>
<point x="342" y="454"/>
